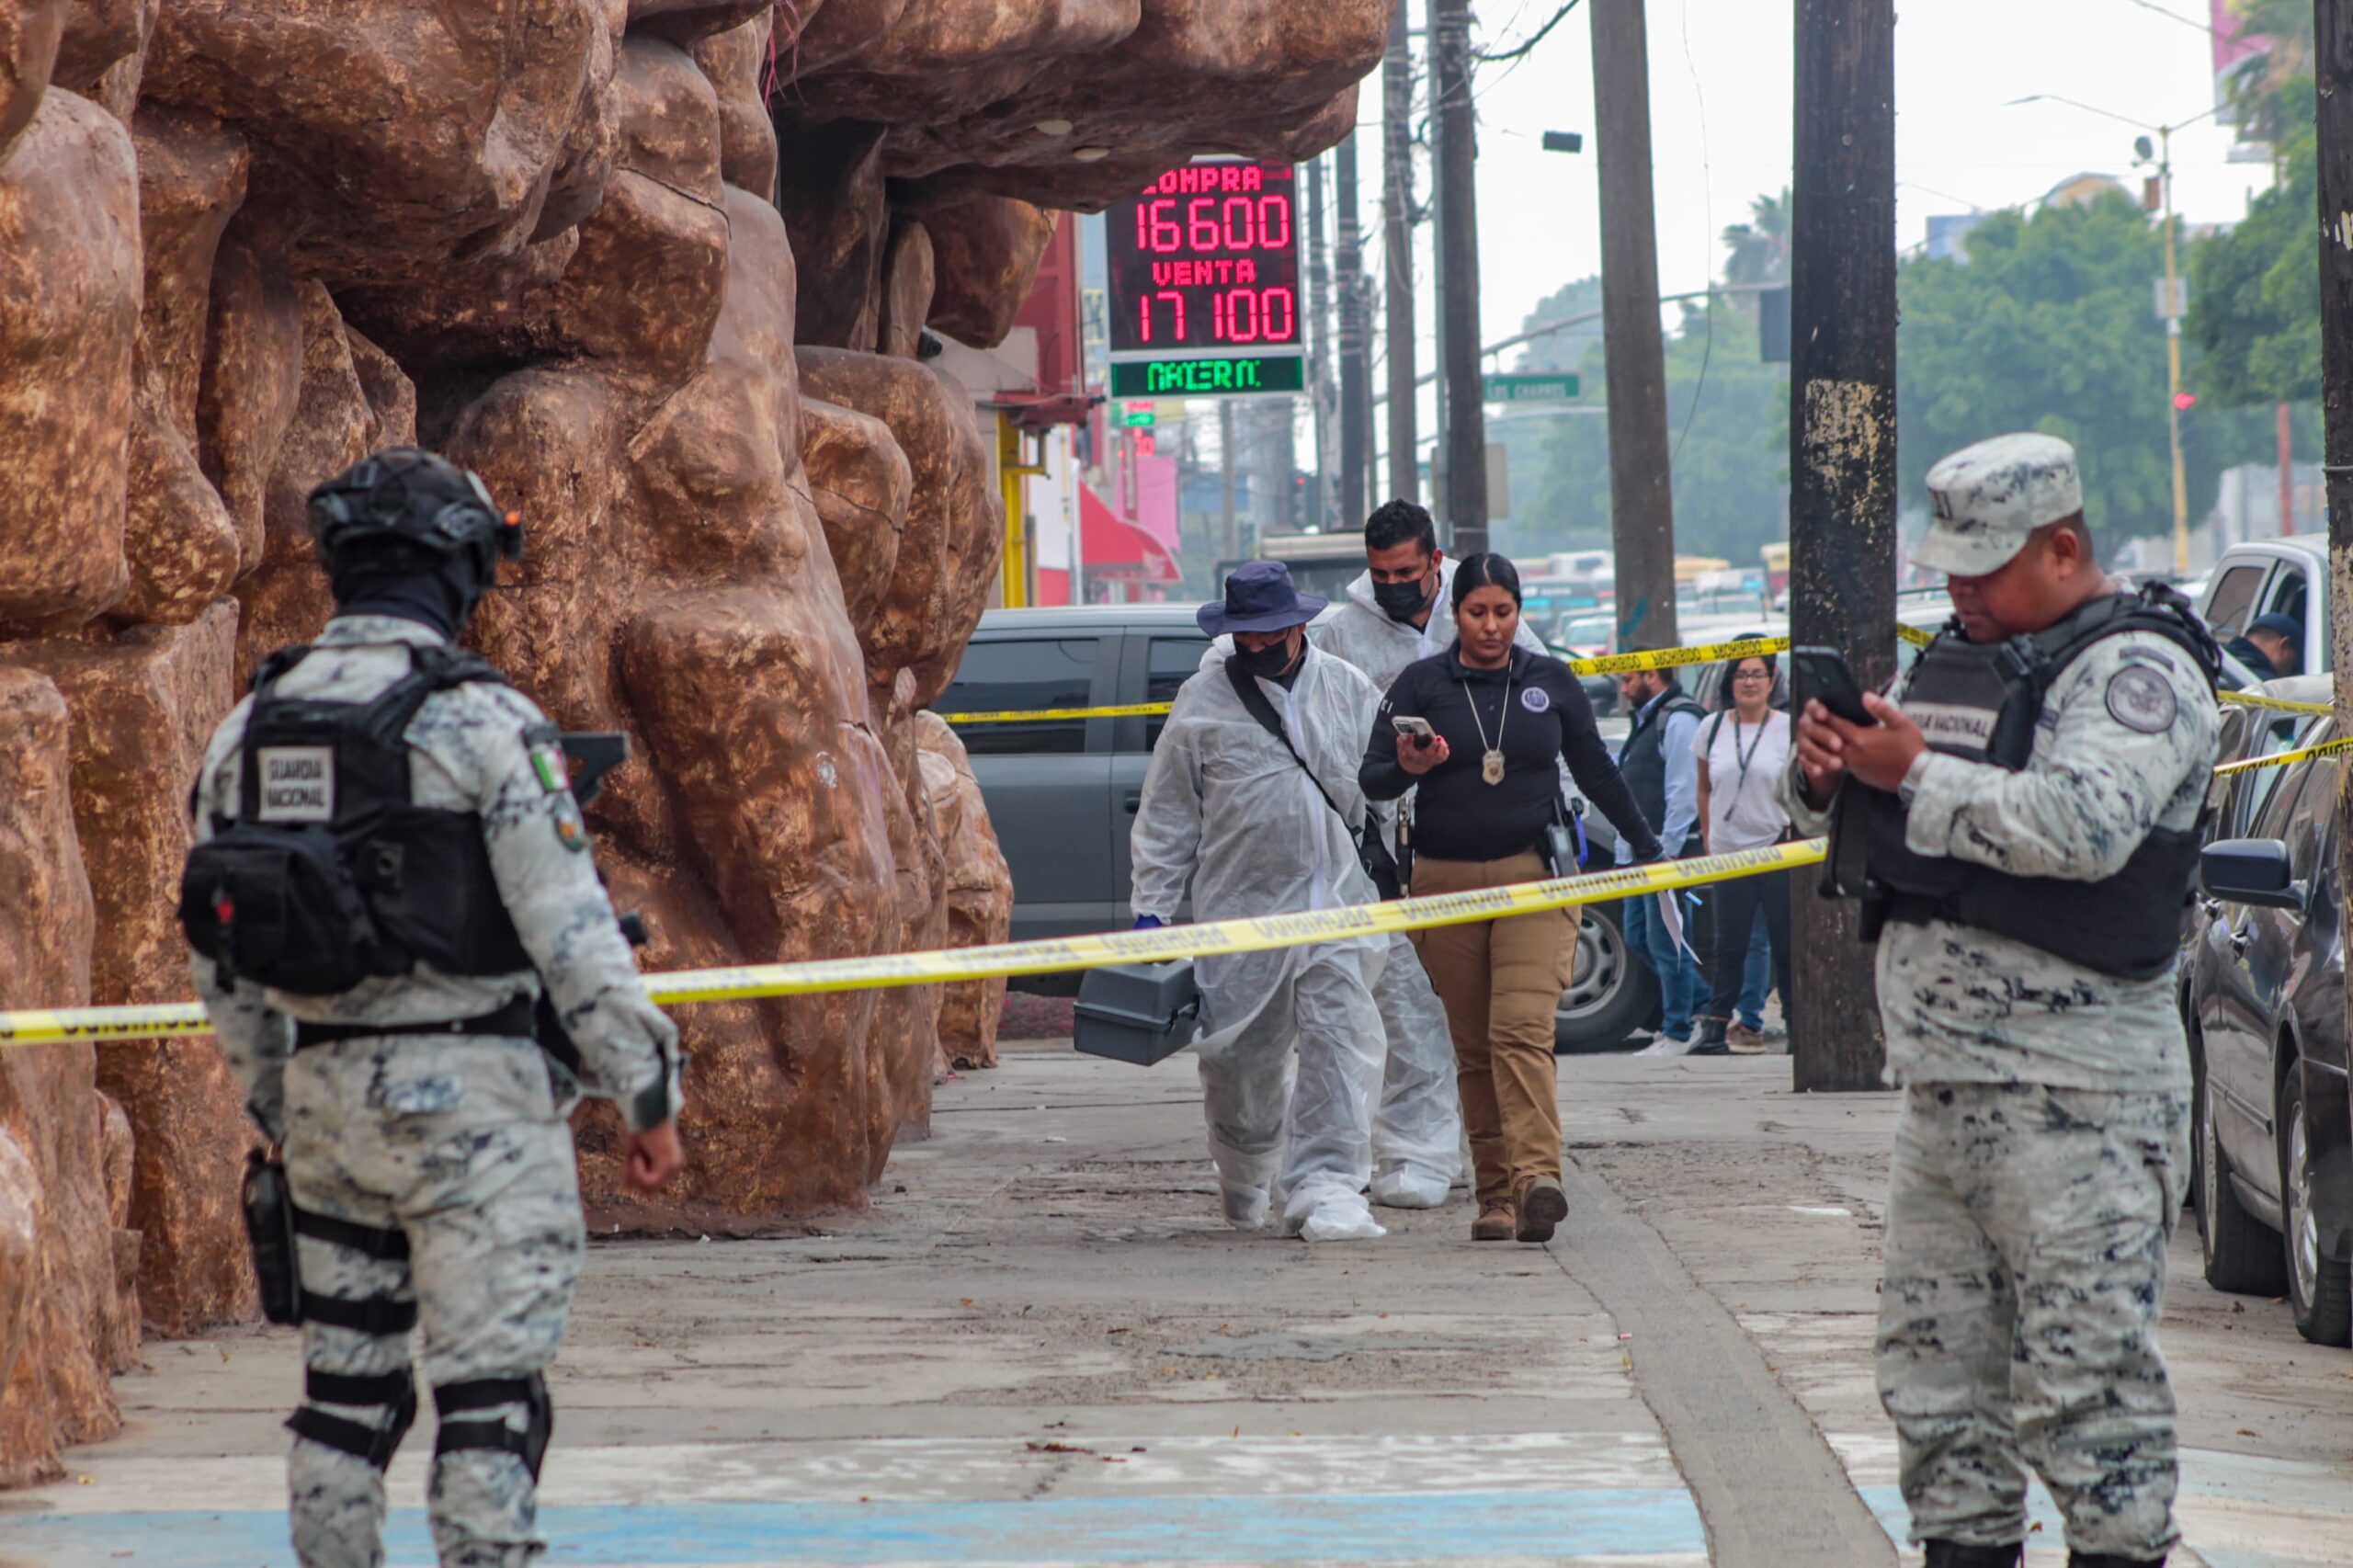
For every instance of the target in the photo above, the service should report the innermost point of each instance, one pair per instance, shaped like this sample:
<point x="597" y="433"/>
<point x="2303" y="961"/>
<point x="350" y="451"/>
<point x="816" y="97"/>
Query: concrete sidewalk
<point x="1043" y="1347"/>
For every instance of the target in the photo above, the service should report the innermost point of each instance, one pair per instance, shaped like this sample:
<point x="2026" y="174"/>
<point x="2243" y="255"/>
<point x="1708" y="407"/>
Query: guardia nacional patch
<point x="2141" y="698"/>
<point x="571" y="831"/>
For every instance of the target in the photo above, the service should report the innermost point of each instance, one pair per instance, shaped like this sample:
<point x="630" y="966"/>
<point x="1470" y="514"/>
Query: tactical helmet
<point x="407" y="495"/>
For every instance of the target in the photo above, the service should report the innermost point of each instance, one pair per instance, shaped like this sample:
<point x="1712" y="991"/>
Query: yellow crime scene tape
<point x="1035" y="715"/>
<point x="2281" y="704"/>
<point x="1607" y="665"/>
<point x="48" y="1027"/>
<point x="2327" y="748"/>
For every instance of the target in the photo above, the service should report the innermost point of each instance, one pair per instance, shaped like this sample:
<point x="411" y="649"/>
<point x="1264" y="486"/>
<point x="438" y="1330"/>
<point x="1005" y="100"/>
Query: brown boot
<point x="1497" y="1222"/>
<point x="1542" y="1206"/>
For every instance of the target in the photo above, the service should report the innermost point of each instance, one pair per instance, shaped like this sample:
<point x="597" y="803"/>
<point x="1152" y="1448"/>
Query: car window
<point x="2256" y="787"/>
<point x="1020" y="674"/>
<point x="2271" y="814"/>
<point x="1169" y="664"/>
<point x="2229" y="605"/>
<point x="2290" y="595"/>
<point x="2308" y="829"/>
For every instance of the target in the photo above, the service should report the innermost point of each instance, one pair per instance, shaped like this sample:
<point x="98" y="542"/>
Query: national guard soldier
<point x="2022" y="827"/>
<point x="390" y="868"/>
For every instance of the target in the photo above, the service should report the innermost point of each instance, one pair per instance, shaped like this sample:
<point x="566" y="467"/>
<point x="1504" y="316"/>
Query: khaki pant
<point x="1501" y="982"/>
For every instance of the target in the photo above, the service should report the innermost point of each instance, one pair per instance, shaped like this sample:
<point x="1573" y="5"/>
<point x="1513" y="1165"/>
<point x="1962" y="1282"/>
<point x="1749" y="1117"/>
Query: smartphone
<point x="1823" y="676"/>
<point x="1418" y="730"/>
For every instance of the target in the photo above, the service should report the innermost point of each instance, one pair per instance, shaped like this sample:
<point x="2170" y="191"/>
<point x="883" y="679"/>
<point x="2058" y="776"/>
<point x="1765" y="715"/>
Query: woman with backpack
<point x="1742" y="750"/>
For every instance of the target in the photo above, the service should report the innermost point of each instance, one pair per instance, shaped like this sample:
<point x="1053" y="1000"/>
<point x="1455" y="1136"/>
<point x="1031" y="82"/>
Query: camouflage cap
<point x="1989" y="497"/>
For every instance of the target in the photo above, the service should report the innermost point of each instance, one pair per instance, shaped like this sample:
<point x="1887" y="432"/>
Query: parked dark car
<point x="2263" y="993"/>
<point x="1063" y="792"/>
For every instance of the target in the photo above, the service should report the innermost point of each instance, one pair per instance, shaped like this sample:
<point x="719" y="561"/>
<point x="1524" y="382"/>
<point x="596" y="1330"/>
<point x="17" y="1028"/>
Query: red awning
<point x="1113" y="547"/>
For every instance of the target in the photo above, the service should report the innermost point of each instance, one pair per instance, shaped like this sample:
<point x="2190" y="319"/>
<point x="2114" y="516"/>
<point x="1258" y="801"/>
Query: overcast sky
<point x="1720" y="112"/>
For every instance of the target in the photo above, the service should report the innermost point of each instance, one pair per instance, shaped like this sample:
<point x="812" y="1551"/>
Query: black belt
<point x="512" y="1020"/>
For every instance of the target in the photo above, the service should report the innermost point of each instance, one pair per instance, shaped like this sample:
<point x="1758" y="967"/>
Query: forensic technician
<point x="389" y="868"/>
<point x="1500" y="722"/>
<point x="1251" y="800"/>
<point x="2021" y="824"/>
<point x="1397" y="611"/>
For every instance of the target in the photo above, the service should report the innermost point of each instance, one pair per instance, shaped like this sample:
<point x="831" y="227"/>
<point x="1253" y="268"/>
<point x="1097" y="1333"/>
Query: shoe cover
<point x="1336" y="1217"/>
<point x="1403" y="1187"/>
<point x="1245" y="1208"/>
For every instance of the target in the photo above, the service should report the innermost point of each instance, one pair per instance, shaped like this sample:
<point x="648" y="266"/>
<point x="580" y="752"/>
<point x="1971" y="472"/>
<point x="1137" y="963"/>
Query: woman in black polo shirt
<point x="1503" y="719"/>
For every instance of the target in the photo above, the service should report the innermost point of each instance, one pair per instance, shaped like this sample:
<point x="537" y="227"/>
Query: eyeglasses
<point x="1754" y="675"/>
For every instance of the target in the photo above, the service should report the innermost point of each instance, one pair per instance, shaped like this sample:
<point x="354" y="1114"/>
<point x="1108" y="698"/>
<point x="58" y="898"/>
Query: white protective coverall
<point x="1227" y="811"/>
<point x="1417" y="1132"/>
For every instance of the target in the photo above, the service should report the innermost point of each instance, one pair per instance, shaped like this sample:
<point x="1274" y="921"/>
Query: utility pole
<point x="1397" y="245"/>
<point x="2172" y="363"/>
<point x="1642" y="487"/>
<point x="2283" y="417"/>
<point x="2333" y="74"/>
<point x="1356" y="406"/>
<point x="1842" y="458"/>
<point x="1228" y="459"/>
<point x="1462" y="393"/>
<point x="1322" y="400"/>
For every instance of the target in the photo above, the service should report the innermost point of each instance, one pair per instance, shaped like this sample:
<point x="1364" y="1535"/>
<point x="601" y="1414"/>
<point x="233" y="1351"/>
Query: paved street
<point x="1041" y="1346"/>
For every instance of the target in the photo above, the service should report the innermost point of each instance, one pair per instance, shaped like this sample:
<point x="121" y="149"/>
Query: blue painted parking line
<point x="1555" y="1526"/>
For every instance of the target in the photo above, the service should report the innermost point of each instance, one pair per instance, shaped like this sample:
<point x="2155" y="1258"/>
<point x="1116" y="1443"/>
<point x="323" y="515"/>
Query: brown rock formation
<point x="979" y="892"/>
<point x="69" y="313"/>
<point x="948" y="549"/>
<point x="29" y="31"/>
<point x="244" y="242"/>
<point x="987" y="251"/>
<point x="463" y="118"/>
<point x="909" y="284"/>
<point x="143" y="704"/>
<point x="62" y="1321"/>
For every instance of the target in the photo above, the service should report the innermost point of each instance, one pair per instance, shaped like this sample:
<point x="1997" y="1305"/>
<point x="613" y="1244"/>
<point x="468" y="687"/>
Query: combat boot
<point x="1712" y="1038"/>
<point x="1953" y="1554"/>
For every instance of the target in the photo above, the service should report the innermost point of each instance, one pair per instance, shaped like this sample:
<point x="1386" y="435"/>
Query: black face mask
<point x="1269" y="663"/>
<point x="1402" y="601"/>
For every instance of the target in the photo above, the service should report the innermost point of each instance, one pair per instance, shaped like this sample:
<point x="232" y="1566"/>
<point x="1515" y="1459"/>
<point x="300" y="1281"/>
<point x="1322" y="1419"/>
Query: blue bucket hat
<point x="1259" y="597"/>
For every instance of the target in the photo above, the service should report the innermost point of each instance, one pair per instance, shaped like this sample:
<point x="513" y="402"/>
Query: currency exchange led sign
<point x="1204" y="282"/>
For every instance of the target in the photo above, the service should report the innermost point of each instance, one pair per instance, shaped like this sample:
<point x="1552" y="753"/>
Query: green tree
<point x="2048" y="322"/>
<point x="2254" y="294"/>
<point x="1727" y="419"/>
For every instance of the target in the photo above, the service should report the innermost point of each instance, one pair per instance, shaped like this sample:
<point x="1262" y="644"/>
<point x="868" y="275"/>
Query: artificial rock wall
<point x="661" y="270"/>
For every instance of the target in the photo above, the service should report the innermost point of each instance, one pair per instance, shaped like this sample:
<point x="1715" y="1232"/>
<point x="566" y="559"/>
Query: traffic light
<point x="2183" y="402"/>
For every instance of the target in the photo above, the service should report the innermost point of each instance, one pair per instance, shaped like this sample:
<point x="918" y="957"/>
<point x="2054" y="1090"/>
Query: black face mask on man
<point x="1403" y="601"/>
<point x="1269" y="663"/>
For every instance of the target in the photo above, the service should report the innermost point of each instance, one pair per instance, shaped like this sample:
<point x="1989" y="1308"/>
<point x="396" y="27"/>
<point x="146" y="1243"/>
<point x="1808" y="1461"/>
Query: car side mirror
<point x="2250" y="871"/>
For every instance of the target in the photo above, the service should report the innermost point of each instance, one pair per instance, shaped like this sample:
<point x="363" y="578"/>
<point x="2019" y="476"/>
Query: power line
<point x="1522" y="50"/>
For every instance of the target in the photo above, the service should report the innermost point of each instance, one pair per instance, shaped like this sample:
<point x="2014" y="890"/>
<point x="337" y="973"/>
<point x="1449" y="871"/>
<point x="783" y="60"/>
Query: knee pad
<point x="395" y="1392"/>
<point x="530" y="1445"/>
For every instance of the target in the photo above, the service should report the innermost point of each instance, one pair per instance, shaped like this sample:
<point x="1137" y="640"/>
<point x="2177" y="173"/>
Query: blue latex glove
<point x="1149" y="923"/>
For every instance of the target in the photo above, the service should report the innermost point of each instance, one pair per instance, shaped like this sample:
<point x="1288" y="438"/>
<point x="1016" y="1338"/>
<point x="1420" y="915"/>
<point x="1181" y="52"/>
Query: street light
<point x="2162" y="154"/>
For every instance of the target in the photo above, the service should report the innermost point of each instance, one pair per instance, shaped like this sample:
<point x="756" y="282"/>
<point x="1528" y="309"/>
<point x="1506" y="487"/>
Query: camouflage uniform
<point x="2042" y="1151"/>
<point x="456" y="1147"/>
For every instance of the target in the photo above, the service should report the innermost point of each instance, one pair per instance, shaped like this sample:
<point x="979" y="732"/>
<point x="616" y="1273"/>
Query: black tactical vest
<point x="329" y="874"/>
<point x="1642" y="764"/>
<point x="1982" y="701"/>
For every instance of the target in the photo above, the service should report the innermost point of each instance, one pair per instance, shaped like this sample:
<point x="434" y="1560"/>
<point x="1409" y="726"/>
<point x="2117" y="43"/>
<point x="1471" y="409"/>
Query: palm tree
<point x="1760" y="247"/>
